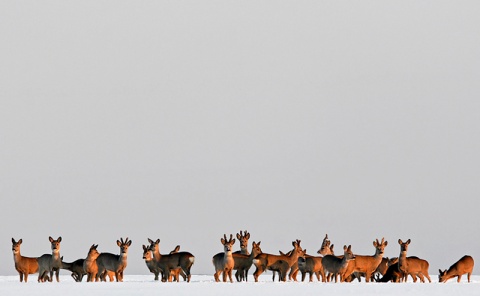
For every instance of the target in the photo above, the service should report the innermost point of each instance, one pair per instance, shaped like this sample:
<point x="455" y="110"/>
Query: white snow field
<point x="205" y="285"/>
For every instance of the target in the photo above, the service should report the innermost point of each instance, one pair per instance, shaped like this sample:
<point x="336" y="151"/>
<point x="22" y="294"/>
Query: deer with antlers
<point x="225" y="266"/>
<point x="367" y="264"/>
<point x="114" y="263"/>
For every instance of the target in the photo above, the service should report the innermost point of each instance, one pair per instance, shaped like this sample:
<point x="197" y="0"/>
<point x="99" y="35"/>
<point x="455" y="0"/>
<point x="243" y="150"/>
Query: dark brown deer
<point x="367" y="264"/>
<point x="461" y="267"/>
<point x="76" y="268"/>
<point x="48" y="263"/>
<point x="392" y="274"/>
<point x="152" y="264"/>
<point x="115" y="263"/>
<point x="243" y="240"/>
<point x="23" y="265"/>
<point x="172" y="264"/>
<point x="338" y="266"/>
<point x="264" y="261"/>
<point x="412" y="266"/>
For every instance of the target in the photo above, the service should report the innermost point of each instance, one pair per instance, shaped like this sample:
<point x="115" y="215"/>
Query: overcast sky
<point x="185" y="120"/>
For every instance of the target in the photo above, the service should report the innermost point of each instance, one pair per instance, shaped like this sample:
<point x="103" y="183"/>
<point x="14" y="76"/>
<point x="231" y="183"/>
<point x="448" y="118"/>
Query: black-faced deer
<point x="23" y="265"/>
<point x="338" y="266"/>
<point x="459" y="268"/>
<point x="48" y="263"/>
<point x="225" y="266"/>
<point x="115" y="263"/>
<point x="264" y="261"/>
<point x="76" y="267"/>
<point x="242" y="263"/>
<point x="367" y="264"/>
<point x="412" y="266"/>
<point x="172" y="264"/>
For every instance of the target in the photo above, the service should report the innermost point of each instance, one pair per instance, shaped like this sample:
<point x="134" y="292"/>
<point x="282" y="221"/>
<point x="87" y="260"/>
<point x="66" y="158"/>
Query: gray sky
<point x="185" y="120"/>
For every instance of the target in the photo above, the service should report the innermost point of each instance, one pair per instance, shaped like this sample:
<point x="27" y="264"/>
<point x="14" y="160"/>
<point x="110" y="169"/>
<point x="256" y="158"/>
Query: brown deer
<point x="90" y="264"/>
<point x="23" y="265"/>
<point x="48" y="263"/>
<point x="226" y="265"/>
<point x="115" y="263"/>
<point x="264" y="261"/>
<point x="459" y="268"/>
<point x="412" y="266"/>
<point x="172" y="264"/>
<point x="338" y="266"/>
<point x="313" y="264"/>
<point x="367" y="264"/>
<point x="152" y="264"/>
<point x="242" y="262"/>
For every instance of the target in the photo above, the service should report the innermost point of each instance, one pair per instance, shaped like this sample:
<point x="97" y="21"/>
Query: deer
<point x="264" y="261"/>
<point x="459" y="268"/>
<point x="173" y="263"/>
<point x="313" y="264"/>
<point x="90" y="264"/>
<point x="23" y="265"/>
<point x="412" y="266"/>
<point x="392" y="273"/>
<point x="367" y="264"/>
<point x="48" y="263"/>
<point x="242" y="262"/>
<point x="76" y="267"/>
<point x="243" y="240"/>
<point x="226" y="265"/>
<point x="152" y="264"/>
<point x="115" y="263"/>
<point x="338" y="266"/>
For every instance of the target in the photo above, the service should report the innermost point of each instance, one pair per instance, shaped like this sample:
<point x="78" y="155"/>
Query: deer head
<point x="124" y="246"/>
<point x="227" y="245"/>
<point x="55" y="244"/>
<point x="243" y="239"/>
<point x="380" y="246"/>
<point x="403" y="245"/>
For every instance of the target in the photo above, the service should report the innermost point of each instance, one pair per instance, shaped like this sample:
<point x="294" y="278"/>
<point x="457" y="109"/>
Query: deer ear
<point x="59" y="239"/>
<point x="375" y="244"/>
<point x="119" y="243"/>
<point x="13" y="240"/>
<point x="150" y="241"/>
<point x="50" y="239"/>
<point x="400" y="241"/>
<point x="157" y="241"/>
<point x="238" y="236"/>
<point x="344" y="247"/>
<point x="247" y="236"/>
<point x="129" y="243"/>
<point x="408" y="241"/>
<point x="258" y="244"/>
<point x="386" y="243"/>
<point x="222" y="241"/>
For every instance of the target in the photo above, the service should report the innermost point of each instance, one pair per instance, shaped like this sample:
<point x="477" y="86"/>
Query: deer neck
<point x="156" y="254"/>
<point x="16" y="256"/>
<point x="402" y="260"/>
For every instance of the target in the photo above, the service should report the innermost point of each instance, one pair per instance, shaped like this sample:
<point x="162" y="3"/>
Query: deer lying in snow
<point x="338" y="266"/>
<point x="462" y="266"/>
<point x="367" y="264"/>
<point x="48" y="263"/>
<point x="412" y="266"/>
<point x="23" y="265"/>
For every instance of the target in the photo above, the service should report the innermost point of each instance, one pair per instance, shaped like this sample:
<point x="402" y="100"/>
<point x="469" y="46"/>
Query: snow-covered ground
<point x="205" y="285"/>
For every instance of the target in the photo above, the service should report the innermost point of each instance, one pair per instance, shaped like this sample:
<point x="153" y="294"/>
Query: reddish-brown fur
<point x="367" y="264"/>
<point x="461" y="267"/>
<point x="24" y="265"/>
<point x="412" y="266"/>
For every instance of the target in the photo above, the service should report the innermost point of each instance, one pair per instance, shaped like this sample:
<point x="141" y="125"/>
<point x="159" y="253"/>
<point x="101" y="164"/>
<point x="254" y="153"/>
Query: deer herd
<point x="327" y="267"/>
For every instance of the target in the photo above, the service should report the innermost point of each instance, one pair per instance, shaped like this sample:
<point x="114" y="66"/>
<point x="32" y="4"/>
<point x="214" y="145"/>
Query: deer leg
<point x="468" y="276"/>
